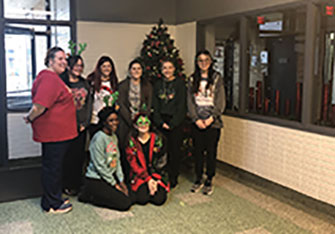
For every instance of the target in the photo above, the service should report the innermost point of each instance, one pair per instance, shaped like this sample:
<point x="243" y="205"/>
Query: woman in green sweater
<point x="104" y="185"/>
<point x="169" y="110"/>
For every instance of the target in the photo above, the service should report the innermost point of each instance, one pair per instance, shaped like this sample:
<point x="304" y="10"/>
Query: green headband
<point x="141" y="122"/>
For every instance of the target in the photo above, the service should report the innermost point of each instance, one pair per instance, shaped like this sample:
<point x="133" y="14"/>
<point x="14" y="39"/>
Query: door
<point x="20" y="71"/>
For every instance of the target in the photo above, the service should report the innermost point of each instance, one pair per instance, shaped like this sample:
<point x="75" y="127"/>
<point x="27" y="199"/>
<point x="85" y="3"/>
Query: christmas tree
<point x="157" y="47"/>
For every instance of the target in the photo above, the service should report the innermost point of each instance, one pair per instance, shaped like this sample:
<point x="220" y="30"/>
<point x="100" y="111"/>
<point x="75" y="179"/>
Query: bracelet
<point x="29" y="120"/>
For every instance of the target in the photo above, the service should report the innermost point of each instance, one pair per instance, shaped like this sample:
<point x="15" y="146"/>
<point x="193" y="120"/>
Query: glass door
<point x="20" y="67"/>
<point x="20" y="72"/>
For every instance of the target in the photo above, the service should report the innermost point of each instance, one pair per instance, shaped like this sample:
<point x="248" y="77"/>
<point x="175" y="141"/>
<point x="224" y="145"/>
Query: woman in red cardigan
<point x="147" y="157"/>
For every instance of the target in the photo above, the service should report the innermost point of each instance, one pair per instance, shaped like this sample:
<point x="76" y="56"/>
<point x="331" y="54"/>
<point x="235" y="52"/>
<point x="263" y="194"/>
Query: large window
<point x="29" y="28"/>
<point x="26" y="43"/>
<point x="276" y="63"/>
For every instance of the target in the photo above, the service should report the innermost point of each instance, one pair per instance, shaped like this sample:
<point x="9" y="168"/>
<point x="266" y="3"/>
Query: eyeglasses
<point x="207" y="60"/>
<point x="79" y="65"/>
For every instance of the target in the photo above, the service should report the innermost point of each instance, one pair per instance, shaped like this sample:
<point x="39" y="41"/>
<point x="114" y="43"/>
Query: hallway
<point x="236" y="206"/>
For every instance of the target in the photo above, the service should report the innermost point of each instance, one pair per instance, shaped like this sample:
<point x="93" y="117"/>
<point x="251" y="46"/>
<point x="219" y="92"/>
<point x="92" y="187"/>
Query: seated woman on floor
<point x="104" y="185"/>
<point x="147" y="158"/>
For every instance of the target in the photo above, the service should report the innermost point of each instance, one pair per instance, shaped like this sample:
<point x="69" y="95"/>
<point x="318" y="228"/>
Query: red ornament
<point x="330" y="10"/>
<point x="260" y="19"/>
<point x="159" y="75"/>
<point x="157" y="43"/>
<point x="148" y="68"/>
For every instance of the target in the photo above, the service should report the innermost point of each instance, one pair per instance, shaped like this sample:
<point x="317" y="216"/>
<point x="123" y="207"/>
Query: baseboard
<point x="19" y="181"/>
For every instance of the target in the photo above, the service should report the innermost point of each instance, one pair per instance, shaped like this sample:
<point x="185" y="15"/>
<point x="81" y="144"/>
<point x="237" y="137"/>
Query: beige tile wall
<point x="299" y="160"/>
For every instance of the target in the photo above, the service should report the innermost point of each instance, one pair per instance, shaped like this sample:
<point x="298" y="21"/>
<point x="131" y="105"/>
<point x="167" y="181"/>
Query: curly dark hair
<point x="104" y="113"/>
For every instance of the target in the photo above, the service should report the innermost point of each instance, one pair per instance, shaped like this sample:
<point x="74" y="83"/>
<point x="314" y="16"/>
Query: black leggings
<point x="100" y="193"/>
<point x="205" y="140"/>
<point x="143" y="195"/>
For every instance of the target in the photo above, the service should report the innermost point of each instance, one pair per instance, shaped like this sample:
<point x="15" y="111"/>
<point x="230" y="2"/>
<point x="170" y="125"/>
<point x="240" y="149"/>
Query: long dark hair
<point x="95" y="77"/>
<point x="197" y="73"/>
<point x="71" y="61"/>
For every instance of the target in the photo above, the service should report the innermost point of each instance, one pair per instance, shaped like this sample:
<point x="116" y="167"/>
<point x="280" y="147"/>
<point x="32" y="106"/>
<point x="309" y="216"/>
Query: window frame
<point x="4" y="161"/>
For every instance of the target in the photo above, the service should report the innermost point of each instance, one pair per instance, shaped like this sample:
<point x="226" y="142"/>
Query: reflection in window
<point x="276" y="63"/>
<point x="227" y="56"/>
<point x="325" y="50"/>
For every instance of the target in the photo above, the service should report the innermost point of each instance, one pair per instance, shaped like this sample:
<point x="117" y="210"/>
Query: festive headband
<point x="111" y="99"/>
<point x="73" y="46"/>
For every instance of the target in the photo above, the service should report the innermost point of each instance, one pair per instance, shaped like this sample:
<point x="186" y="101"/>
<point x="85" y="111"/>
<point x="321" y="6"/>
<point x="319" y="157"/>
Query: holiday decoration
<point x="73" y="48"/>
<point x="157" y="47"/>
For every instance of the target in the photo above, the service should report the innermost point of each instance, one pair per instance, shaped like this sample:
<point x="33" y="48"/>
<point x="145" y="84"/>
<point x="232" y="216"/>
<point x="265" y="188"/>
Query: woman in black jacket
<point x="169" y="110"/>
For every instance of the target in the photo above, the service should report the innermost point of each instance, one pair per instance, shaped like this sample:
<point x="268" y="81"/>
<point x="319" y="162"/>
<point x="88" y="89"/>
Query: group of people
<point x="134" y="130"/>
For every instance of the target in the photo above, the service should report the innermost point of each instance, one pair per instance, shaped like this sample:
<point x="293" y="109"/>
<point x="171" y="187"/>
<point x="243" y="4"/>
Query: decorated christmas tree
<point x="157" y="47"/>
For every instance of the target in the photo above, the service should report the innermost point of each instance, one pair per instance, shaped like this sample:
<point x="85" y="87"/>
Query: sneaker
<point x="208" y="188"/>
<point x="196" y="186"/>
<point x="64" y="208"/>
<point x="66" y="200"/>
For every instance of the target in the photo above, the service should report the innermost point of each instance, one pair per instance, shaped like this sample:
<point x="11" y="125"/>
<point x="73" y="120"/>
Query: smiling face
<point x="204" y="62"/>
<point x="58" y="63"/>
<point x="136" y="71"/>
<point x="143" y="124"/>
<point x="78" y="68"/>
<point x="112" y="123"/>
<point x="106" y="69"/>
<point x="168" y="70"/>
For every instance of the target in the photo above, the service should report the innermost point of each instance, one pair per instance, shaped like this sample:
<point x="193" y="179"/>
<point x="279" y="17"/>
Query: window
<point x="227" y="56"/>
<point x="325" y="69"/>
<point x="27" y="45"/>
<point x="29" y="27"/>
<point x="35" y="9"/>
<point x="276" y="51"/>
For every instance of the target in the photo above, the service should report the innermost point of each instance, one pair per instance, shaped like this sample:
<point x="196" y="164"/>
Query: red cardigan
<point x="139" y="172"/>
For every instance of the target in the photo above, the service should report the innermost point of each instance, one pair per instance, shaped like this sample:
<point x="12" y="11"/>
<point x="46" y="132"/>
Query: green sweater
<point x="169" y="99"/>
<point x="105" y="158"/>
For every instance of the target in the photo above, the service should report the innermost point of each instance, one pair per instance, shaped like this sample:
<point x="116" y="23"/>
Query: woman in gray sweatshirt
<point x="206" y="102"/>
